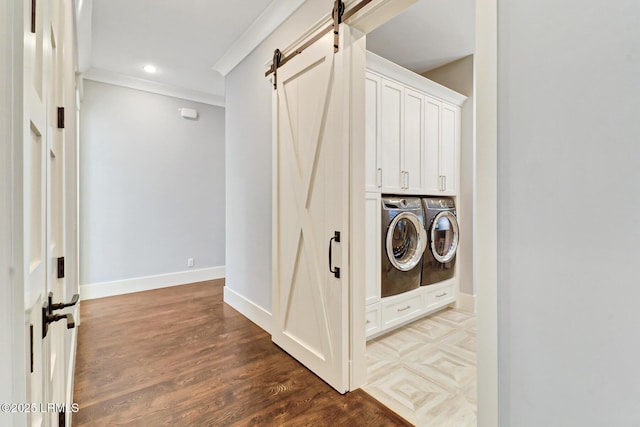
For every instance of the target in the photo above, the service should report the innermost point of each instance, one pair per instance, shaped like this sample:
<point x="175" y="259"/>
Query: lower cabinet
<point x="398" y="310"/>
<point x="403" y="307"/>
<point x="440" y="294"/>
<point x="373" y="319"/>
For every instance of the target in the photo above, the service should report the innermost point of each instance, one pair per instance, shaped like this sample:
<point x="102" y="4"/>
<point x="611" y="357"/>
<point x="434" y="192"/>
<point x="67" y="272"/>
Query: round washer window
<point x="444" y="237"/>
<point x="406" y="241"/>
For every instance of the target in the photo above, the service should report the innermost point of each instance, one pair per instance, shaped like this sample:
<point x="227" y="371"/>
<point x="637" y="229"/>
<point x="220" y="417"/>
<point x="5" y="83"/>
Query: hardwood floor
<point x="181" y="357"/>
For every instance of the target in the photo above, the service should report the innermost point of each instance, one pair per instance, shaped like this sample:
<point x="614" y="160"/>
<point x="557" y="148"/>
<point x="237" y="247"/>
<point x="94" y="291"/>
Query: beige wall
<point x="458" y="76"/>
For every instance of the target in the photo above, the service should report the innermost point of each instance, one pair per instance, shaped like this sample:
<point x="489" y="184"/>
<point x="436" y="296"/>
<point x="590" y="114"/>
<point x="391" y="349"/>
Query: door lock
<point x="48" y="317"/>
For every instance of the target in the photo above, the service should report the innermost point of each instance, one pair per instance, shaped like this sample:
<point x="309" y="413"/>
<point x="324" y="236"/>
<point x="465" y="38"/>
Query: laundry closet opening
<point x="419" y="192"/>
<point x="410" y="238"/>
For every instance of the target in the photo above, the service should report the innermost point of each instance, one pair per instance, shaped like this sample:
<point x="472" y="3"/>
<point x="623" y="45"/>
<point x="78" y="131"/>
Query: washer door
<point x="444" y="236"/>
<point x="406" y="241"/>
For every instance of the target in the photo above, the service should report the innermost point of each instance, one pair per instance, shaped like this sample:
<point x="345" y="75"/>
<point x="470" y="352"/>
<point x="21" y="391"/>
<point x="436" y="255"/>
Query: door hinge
<point x="60" y="117"/>
<point x="61" y="267"/>
<point x="33" y="16"/>
<point x="62" y="418"/>
<point x="31" y="346"/>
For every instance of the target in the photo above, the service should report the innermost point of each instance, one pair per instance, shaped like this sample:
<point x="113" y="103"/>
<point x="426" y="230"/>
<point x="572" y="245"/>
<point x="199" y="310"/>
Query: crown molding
<point x="274" y="15"/>
<point x="117" y="79"/>
<point x="386" y="68"/>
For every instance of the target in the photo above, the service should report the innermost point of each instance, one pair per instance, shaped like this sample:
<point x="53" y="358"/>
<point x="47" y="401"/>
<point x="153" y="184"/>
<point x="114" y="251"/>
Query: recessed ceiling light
<point x="150" y="69"/>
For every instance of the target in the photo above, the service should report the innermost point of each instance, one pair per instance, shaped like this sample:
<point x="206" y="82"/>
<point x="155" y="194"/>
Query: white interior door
<point x="42" y="197"/>
<point x="311" y="202"/>
<point x="36" y="55"/>
<point x="55" y="338"/>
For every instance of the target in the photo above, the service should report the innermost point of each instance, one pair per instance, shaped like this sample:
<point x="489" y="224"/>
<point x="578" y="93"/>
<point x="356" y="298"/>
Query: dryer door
<point x="444" y="237"/>
<point x="406" y="241"/>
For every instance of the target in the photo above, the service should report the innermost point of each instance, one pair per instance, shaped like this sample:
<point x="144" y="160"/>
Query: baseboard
<point x="466" y="302"/>
<point x="248" y="309"/>
<point x="138" y="284"/>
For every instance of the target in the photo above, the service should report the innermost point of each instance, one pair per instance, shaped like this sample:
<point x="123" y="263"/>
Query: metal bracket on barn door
<point x="338" y="14"/>
<point x="277" y="57"/>
<point x="338" y="11"/>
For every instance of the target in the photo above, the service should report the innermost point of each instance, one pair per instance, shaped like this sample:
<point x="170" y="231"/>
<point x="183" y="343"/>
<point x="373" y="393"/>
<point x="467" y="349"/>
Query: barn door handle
<point x="336" y="238"/>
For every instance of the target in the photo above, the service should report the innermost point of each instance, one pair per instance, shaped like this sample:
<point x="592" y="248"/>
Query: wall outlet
<point x="190" y="262"/>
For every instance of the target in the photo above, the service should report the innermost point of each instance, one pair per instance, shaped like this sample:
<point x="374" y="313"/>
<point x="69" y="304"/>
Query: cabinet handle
<point x="404" y="309"/>
<point x="406" y="185"/>
<point x="444" y="182"/>
<point x="379" y="177"/>
<point x="441" y="295"/>
<point x="368" y="321"/>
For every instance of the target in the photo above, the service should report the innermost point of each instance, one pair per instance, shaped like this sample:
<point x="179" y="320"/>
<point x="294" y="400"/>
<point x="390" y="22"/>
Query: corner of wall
<point x="248" y="309"/>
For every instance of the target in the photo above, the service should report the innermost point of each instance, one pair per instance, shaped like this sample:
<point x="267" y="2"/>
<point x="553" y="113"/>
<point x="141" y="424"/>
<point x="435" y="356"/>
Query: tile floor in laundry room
<point x="426" y="371"/>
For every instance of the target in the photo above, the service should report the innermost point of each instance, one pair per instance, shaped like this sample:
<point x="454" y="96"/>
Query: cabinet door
<point x="450" y="135"/>
<point x="373" y="246"/>
<point x="373" y="168"/>
<point x="413" y="139"/>
<point x="432" y="115"/>
<point x="391" y="135"/>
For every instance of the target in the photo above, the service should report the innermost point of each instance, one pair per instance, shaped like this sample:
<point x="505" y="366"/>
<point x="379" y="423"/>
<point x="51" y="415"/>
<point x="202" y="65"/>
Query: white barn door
<point x="311" y="202"/>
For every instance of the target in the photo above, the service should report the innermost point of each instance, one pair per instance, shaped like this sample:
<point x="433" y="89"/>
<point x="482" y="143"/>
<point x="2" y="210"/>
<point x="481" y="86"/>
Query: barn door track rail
<point x="339" y="15"/>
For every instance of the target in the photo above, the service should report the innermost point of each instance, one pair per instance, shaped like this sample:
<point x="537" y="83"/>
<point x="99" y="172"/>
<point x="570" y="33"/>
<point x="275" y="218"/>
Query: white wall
<point x="569" y="221"/>
<point x="248" y="161"/>
<point x="151" y="185"/>
<point x="458" y="76"/>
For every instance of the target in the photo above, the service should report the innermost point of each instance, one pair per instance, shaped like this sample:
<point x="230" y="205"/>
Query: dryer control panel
<point x="440" y="203"/>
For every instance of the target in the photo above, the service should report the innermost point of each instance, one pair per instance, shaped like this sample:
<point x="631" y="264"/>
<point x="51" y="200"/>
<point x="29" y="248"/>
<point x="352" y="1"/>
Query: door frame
<point x="13" y="362"/>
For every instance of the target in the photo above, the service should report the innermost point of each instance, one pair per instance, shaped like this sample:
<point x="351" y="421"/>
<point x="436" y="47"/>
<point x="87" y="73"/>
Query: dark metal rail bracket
<point x="339" y="15"/>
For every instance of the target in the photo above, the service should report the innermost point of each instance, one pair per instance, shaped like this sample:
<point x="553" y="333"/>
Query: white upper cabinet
<point x="391" y="136"/>
<point x="413" y="122"/>
<point x="373" y="170"/>
<point x="442" y="142"/>
<point x="449" y="149"/>
<point x="412" y="132"/>
<point x="433" y="114"/>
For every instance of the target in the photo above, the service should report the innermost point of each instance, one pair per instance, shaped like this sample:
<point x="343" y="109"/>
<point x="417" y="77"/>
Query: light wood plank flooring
<point x="426" y="371"/>
<point x="181" y="357"/>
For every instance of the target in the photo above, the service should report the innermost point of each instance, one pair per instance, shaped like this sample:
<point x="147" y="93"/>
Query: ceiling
<point x="193" y="43"/>
<point x="427" y="35"/>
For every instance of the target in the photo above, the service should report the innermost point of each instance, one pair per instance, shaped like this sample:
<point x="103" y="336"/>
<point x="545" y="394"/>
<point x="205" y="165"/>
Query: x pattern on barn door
<point x="310" y="305"/>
